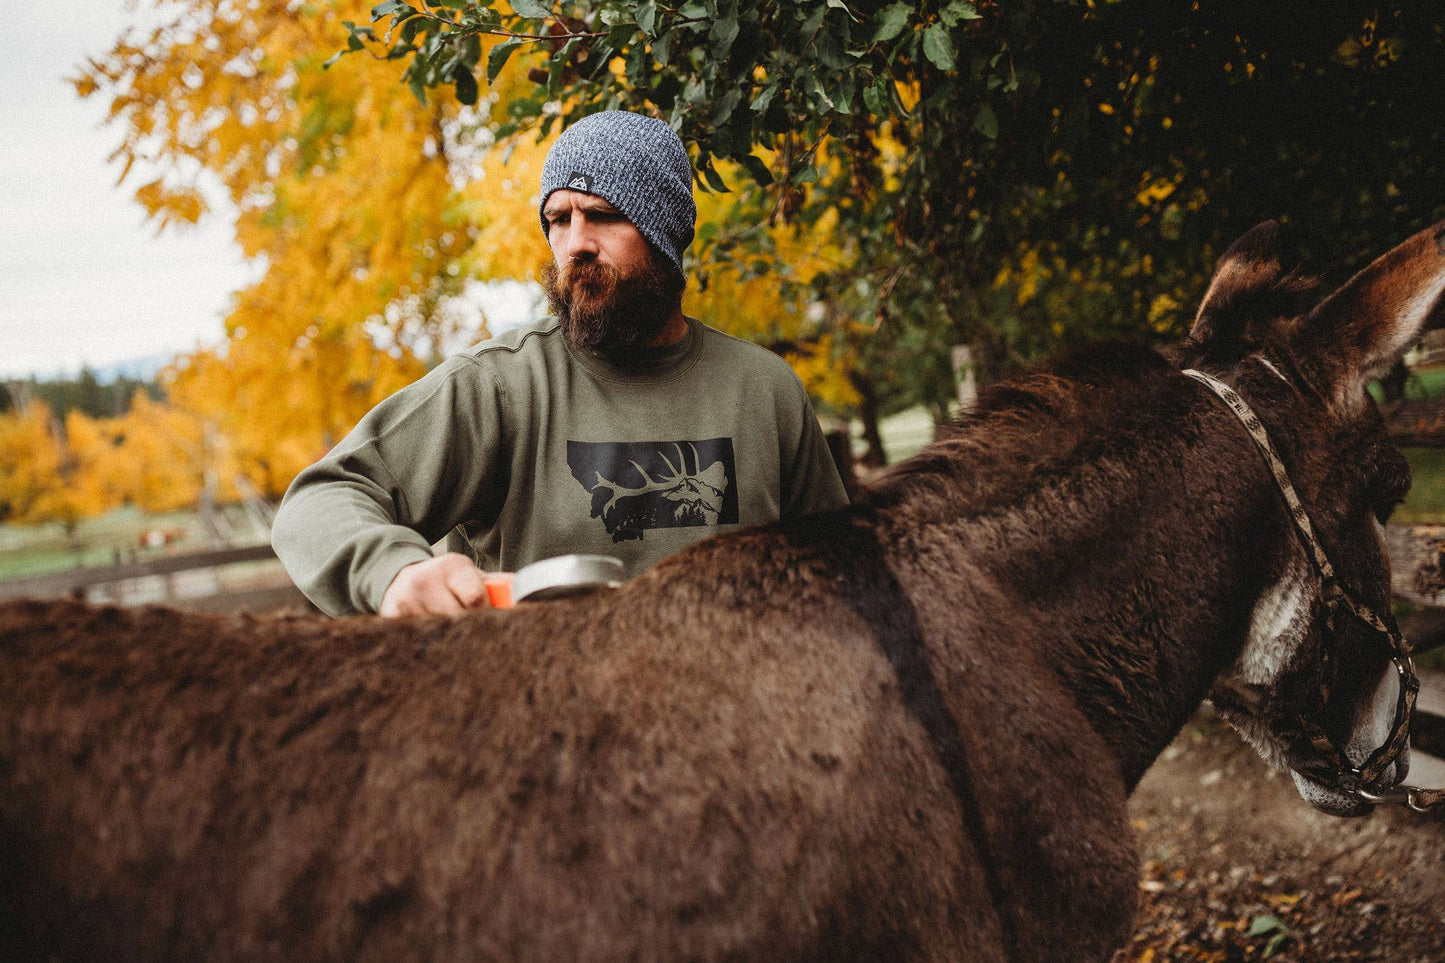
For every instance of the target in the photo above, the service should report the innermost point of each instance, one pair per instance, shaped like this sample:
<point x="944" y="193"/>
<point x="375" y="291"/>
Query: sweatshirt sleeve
<point x="811" y="482"/>
<point x="419" y="463"/>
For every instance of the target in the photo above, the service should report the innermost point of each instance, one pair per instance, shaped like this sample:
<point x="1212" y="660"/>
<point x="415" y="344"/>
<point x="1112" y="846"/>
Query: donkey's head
<point x="1316" y="688"/>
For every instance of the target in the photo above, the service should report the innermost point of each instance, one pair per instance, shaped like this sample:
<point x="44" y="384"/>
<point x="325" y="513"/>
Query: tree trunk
<point x="874" y="457"/>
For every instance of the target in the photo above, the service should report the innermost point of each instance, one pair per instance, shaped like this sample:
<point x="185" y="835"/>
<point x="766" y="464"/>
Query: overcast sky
<point x="83" y="278"/>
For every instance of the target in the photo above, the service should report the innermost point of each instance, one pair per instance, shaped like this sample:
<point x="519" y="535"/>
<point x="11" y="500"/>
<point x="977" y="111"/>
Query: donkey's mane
<point x="1044" y="424"/>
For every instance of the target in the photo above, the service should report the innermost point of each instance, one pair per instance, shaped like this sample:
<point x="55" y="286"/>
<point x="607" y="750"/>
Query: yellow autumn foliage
<point x="30" y="464"/>
<point x="52" y="471"/>
<point x="344" y="198"/>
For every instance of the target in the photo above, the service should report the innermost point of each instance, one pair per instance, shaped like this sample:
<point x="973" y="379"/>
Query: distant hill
<point x="134" y="369"/>
<point x="104" y="392"/>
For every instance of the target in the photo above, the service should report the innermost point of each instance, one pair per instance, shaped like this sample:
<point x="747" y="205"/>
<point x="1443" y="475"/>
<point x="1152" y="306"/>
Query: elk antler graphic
<point x="678" y="496"/>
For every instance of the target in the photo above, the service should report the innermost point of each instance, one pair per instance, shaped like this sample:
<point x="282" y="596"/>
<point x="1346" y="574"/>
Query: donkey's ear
<point x="1360" y="331"/>
<point x="1247" y="273"/>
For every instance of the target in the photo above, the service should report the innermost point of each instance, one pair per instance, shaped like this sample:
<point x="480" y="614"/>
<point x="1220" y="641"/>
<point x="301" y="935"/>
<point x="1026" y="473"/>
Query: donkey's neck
<point x="1133" y="558"/>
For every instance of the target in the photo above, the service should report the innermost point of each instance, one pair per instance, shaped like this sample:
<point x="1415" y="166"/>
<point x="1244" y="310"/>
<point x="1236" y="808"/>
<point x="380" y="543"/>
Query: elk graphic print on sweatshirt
<point x="636" y="486"/>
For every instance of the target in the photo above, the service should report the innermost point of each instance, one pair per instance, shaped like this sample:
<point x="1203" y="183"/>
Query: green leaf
<point x="415" y="79"/>
<point x="662" y="48"/>
<point x="560" y="61"/>
<point x="761" y="101"/>
<point x="724" y="32"/>
<point x="761" y="174"/>
<point x="938" y="47"/>
<point x="637" y="71"/>
<point x="714" y="179"/>
<point x="1264" y="923"/>
<point x="695" y="92"/>
<point x="413" y="26"/>
<point x="484" y="18"/>
<point x="466" y="85"/>
<point x="846" y="90"/>
<point x="647" y="17"/>
<point x="391" y="8"/>
<point x="831" y="53"/>
<point x="840" y="5"/>
<point x="891" y="21"/>
<point x="875" y="97"/>
<point x="957" y="11"/>
<point x="726" y="106"/>
<point x="497" y="58"/>
<point x="819" y="95"/>
<point x="986" y="122"/>
<point x="811" y="25"/>
<point x="531" y="9"/>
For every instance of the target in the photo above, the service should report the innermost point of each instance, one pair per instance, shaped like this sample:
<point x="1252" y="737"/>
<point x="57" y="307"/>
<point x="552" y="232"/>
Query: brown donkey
<point x="902" y="731"/>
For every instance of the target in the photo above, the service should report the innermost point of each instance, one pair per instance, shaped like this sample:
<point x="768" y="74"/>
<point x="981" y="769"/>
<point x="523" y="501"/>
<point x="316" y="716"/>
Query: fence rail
<point x="166" y="579"/>
<point x="1417" y="555"/>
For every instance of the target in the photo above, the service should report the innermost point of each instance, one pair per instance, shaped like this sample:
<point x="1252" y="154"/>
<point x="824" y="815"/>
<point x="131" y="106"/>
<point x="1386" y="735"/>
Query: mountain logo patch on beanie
<point x="577" y="181"/>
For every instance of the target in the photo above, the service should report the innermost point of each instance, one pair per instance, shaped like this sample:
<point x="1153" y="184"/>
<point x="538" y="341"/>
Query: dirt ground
<point x="1238" y="867"/>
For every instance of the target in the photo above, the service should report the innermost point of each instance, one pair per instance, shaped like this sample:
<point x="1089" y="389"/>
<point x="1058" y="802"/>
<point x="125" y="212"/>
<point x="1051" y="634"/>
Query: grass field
<point x="111" y="539"/>
<point x="1426" y="501"/>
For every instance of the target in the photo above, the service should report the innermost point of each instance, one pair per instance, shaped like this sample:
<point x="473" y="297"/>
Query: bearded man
<point x="618" y="426"/>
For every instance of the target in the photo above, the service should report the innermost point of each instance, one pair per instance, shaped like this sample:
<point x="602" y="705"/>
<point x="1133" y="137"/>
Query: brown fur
<point x="902" y="731"/>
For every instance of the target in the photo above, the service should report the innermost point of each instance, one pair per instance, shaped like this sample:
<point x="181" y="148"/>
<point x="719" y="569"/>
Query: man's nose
<point x="581" y="242"/>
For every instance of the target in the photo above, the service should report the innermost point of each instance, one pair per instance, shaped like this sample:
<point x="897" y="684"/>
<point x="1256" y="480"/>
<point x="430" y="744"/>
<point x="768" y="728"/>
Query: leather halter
<point x="1331" y="767"/>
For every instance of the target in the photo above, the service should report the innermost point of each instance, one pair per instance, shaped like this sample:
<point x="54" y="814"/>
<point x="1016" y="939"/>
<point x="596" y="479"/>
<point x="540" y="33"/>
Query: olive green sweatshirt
<point x="522" y="448"/>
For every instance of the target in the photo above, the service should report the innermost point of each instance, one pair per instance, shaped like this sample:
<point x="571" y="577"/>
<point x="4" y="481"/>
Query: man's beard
<point x="603" y="310"/>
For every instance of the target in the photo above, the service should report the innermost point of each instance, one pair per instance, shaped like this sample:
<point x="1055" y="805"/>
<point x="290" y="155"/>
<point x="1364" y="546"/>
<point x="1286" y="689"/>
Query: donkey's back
<point x="682" y="768"/>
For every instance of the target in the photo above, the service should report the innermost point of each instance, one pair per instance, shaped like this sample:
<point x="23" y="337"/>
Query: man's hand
<point x="445" y="585"/>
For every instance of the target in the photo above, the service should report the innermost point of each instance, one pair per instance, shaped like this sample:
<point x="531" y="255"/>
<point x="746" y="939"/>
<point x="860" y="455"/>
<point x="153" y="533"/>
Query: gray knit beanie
<point x="635" y="163"/>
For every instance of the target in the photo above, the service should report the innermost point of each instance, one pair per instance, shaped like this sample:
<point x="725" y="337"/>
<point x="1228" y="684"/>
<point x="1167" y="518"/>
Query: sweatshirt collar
<point x="646" y="365"/>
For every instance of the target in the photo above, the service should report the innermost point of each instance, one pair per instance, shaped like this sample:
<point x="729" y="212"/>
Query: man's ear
<point x="1247" y="273"/>
<point x="1360" y="331"/>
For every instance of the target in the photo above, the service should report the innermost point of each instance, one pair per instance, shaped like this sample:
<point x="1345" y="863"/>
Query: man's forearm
<point x="340" y="546"/>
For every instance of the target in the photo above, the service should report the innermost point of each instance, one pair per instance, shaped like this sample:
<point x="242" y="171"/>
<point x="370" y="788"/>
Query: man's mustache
<point x="591" y="273"/>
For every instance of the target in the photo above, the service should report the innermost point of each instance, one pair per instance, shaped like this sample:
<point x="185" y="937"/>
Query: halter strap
<point x="1337" y="769"/>
<point x="1255" y="427"/>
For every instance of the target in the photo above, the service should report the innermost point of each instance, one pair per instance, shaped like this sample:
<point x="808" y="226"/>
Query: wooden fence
<point x="1417" y="554"/>
<point x="196" y="582"/>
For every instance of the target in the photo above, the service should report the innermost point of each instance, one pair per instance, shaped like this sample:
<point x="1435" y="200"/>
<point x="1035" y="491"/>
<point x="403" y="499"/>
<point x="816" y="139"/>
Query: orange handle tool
<point x="499" y="589"/>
